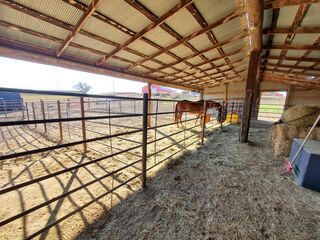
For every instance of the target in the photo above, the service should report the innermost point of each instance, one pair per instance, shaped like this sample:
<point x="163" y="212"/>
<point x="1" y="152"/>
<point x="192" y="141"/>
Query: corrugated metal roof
<point x="181" y="51"/>
<point x="286" y="16"/>
<point x="82" y="54"/>
<point x="120" y="11"/>
<point x="165" y="58"/>
<point x="92" y="43"/>
<point x="23" y="20"/>
<point x="228" y="29"/>
<point x="214" y="10"/>
<point x="159" y="7"/>
<point x="178" y="23"/>
<point x="181" y="22"/>
<point x="201" y="42"/>
<point x="160" y="37"/>
<point x="312" y="19"/>
<point x="27" y="38"/>
<point x="54" y="8"/>
<point x="105" y="30"/>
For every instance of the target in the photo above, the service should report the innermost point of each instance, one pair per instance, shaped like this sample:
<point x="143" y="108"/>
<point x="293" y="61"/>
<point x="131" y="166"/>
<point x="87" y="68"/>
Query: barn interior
<point x="232" y="51"/>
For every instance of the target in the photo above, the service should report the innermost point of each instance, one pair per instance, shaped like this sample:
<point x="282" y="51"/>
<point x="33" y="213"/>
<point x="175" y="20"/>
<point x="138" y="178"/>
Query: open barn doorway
<point x="271" y="105"/>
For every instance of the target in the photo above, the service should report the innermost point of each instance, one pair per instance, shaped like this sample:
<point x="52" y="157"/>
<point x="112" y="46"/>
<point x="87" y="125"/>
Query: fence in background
<point x="80" y="120"/>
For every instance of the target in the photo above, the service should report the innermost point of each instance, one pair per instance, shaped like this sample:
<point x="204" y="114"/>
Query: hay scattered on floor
<point x="226" y="190"/>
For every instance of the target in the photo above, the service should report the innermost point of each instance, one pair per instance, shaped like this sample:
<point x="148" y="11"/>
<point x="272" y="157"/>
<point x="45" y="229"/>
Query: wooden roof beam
<point x="291" y="30"/>
<point x="294" y="47"/>
<point x="181" y="5"/>
<point x="290" y="81"/>
<point x="39" y="55"/>
<point x="203" y="23"/>
<point x="295" y="73"/>
<point x="85" y="16"/>
<point x="299" y="59"/>
<point x="142" y="9"/>
<point x="292" y="66"/>
<point x="283" y="3"/>
<point x="227" y="18"/>
<point x="208" y="61"/>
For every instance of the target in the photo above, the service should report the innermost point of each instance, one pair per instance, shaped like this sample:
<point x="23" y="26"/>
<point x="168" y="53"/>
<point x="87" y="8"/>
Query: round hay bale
<point x="300" y="115"/>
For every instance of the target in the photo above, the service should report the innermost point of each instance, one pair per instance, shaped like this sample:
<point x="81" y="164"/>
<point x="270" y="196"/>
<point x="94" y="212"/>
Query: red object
<point x="157" y="89"/>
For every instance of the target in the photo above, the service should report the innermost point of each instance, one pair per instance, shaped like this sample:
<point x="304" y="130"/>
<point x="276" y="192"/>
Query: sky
<point x="28" y="75"/>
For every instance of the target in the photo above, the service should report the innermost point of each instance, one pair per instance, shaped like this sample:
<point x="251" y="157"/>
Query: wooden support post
<point x="43" y="115"/>
<point x="83" y="125"/>
<point x="225" y="97"/>
<point x="27" y="111"/>
<point x="251" y="88"/>
<point x="149" y="104"/>
<point x="255" y="21"/>
<point x="144" y="141"/>
<point x="60" y="123"/>
<point x="286" y="104"/>
<point x="34" y="113"/>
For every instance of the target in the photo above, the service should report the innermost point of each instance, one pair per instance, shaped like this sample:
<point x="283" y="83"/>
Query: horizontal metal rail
<point x="30" y="210"/>
<point x="39" y="150"/>
<point x="51" y="224"/>
<point x="35" y="180"/>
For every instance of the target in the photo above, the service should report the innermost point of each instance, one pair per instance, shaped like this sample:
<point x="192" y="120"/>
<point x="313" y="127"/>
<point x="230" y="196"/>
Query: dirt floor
<point x="226" y="190"/>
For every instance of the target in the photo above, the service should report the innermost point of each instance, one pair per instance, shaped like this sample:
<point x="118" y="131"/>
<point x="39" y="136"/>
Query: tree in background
<point x="82" y="87"/>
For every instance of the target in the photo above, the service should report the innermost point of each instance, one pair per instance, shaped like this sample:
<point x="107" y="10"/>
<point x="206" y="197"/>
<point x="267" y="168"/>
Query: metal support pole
<point x="231" y="112"/>
<point x="60" y="123"/>
<point x="5" y="108"/>
<point x="27" y="110"/>
<point x="34" y="113"/>
<point x="83" y="125"/>
<point x="155" y="132"/>
<point x="43" y="116"/>
<point x="144" y="140"/>
<point x="203" y="121"/>
<point x="22" y="108"/>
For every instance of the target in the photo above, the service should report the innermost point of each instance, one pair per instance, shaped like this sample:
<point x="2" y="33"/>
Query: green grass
<point x="271" y="108"/>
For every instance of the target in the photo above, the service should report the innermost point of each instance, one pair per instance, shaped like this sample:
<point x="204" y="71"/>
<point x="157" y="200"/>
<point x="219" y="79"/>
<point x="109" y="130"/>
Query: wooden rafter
<point x="302" y="11"/>
<point x="289" y="80"/>
<point x="181" y="5"/>
<point x="191" y="36"/>
<point x="238" y="37"/>
<point x="237" y="51"/>
<point x="292" y="30"/>
<point x="101" y="17"/>
<point x="292" y="66"/>
<point x="275" y="15"/>
<point x="85" y="16"/>
<point x="283" y="3"/>
<point x="203" y="23"/>
<point x="295" y="73"/>
<point x="151" y="16"/>
<point x="316" y="43"/>
<point x="299" y="59"/>
<point x="294" y="47"/>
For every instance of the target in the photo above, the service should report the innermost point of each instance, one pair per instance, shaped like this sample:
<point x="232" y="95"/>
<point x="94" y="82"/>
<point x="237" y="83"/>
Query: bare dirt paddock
<point x="226" y="190"/>
<point x="21" y="138"/>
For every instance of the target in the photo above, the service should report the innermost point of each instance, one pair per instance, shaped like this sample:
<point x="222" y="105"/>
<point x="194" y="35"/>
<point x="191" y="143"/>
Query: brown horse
<point x="195" y="108"/>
